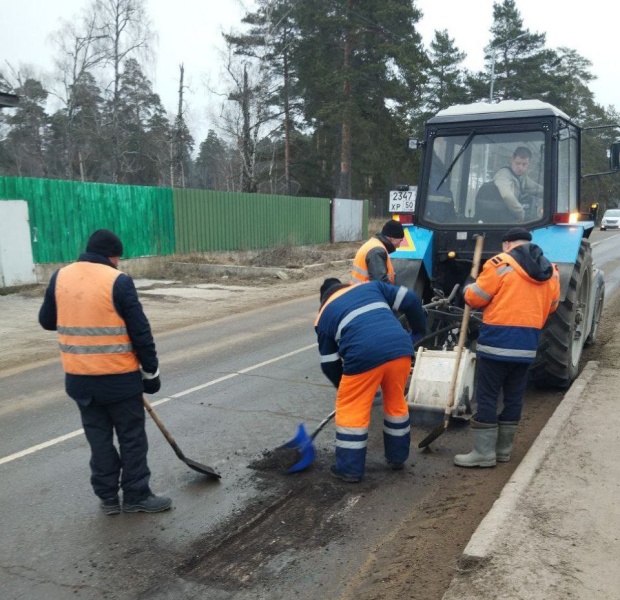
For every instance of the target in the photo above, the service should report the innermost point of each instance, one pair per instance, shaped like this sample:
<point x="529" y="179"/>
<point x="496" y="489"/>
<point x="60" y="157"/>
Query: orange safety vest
<point x="92" y="336"/>
<point x="517" y="300"/>
<point x="335" y="295"/>
<point x="359" y="270"/>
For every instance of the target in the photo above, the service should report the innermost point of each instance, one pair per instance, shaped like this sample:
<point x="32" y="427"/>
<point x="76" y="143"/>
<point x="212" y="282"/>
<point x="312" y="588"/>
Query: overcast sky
<point x="189" y="32"/>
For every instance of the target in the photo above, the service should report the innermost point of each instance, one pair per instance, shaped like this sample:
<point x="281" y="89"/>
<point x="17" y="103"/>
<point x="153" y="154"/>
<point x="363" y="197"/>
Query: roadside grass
<point x="28" y="290"/>
<point x="283" y="255"/>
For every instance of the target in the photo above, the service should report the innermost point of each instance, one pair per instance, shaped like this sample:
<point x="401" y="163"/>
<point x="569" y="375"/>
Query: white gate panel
<point x="347" y="220"/>
<point x="16" y="263"/>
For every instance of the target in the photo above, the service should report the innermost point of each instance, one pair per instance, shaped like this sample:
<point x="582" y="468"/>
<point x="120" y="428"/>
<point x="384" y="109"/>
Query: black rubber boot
<point x="111" y="506"/>
<point x="505" y="437"/>
<point x="150" y="504"/>
<point x="483" y="454"/>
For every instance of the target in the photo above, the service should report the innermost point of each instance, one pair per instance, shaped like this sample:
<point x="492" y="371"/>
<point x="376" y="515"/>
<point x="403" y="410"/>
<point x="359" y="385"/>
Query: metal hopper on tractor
<point x="456" y="201"/>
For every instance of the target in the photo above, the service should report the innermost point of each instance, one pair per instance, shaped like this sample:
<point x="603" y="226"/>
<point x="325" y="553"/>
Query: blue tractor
<point x="466" y="189"/>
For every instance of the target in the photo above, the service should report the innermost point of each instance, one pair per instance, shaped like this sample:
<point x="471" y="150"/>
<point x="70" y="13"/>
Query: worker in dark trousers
<point x="372" y="261"/>
<point x="363" y="346"/>
<point x="517" y="290"/>
<point x="109" y="358"/>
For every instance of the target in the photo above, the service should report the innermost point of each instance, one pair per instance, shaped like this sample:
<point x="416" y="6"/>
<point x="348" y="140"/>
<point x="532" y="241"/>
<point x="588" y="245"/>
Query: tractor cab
<point x="487" y="168"/>
<point x="499" y="168"/>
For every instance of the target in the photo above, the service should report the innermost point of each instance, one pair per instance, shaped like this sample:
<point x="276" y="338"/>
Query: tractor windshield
<point x="485" y="178"/>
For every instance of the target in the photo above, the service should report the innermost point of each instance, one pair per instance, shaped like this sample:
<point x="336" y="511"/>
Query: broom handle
<point x="463" y="333"/>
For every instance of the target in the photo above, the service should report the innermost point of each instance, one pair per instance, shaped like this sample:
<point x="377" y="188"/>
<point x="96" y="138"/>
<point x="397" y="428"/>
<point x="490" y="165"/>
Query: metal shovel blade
<point x="433" y="435"/>
<point x="208" y="471"/>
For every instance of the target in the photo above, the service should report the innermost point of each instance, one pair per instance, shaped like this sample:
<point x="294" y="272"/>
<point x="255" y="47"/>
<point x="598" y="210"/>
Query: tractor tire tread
<point x="554" y="365"/>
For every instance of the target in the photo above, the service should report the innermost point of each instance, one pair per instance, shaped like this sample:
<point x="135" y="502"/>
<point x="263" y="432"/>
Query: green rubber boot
<point x="483" y="454"/>
<point x="505" y="436"/>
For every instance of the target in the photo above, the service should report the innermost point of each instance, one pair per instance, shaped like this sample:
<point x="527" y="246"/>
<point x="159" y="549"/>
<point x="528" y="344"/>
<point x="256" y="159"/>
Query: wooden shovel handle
<point x="162" y="428"/>
<point x="475" y="268"/>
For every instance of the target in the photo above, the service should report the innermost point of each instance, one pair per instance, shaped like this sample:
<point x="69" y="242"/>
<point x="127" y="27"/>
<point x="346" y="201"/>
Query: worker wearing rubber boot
<point x="517" y="290"/>
<point x="109" y="358"/>
<point x="372" y="261"/>
<point x="363" y="346"/>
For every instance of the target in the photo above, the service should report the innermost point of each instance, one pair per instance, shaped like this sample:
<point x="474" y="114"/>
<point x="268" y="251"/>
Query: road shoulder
<point x="554" y="532"/>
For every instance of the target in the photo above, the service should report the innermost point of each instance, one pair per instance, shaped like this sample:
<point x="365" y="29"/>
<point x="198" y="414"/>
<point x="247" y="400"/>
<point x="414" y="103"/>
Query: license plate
<point x="403" y="202"/>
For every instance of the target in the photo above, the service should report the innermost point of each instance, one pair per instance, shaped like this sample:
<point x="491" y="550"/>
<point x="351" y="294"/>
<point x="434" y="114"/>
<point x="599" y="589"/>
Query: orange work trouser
<point x="353" y="407"/>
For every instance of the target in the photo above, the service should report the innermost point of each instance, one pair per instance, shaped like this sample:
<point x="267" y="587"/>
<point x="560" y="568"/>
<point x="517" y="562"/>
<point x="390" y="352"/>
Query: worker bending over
<point x="517" y="291"/>
<point x="363" y="346"/>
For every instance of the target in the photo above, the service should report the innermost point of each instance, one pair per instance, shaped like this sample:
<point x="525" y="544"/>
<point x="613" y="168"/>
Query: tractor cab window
<point x="568" y="170"/>
<point x="495" y="178"/>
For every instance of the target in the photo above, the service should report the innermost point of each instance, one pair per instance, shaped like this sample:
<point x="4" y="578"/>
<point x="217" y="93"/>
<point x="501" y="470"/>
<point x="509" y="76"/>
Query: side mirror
<point x="614" y="156"/>
<point x="412" y="144"/>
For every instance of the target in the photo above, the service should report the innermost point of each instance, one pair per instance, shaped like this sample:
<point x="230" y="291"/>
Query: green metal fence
<point x="161" y="221"/>
<point x="64" y="213"/>
<point x="209" y="220"/>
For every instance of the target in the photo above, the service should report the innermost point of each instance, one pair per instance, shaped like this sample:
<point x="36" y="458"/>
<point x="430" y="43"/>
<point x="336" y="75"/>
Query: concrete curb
<point x="484" y="539"/>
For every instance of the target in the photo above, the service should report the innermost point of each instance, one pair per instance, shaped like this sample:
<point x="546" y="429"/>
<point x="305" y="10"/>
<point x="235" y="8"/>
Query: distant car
<point x="611" y="219"/>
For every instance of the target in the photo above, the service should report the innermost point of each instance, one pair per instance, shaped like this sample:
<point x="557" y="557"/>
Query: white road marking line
<point x="42" y="446"/>
<point x="613" y="237"/>
<point x="73" y="434"/>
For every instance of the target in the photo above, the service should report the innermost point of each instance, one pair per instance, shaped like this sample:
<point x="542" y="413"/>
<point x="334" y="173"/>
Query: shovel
<point x="300" y="450"/>
<point x="192" y="464"/>
<point x="435" y="433"/>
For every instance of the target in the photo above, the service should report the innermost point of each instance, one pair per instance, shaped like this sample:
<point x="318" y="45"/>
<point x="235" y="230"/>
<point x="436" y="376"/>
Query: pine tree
<point x="29" y="130"/>
<point x="138" y="105"/>
<point x="360" y="70"/>
<point x="271" y="41"/>
<point x="446" y="77"/>
<point x="75" y="148"/>
<point x="516" y="56"/>
<point x="124" y="32"/>
<point x="210" y="168"/>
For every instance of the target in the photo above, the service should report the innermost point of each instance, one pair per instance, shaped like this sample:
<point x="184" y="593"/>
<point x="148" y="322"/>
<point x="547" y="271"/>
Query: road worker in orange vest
<point x="372" y="261"/>
<point x="109" y="358"/>
<point x="517" y="291"/>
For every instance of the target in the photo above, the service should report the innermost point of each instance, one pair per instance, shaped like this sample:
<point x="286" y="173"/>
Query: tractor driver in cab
<point x="372" y="261"/>
<point x="515" y="186"/>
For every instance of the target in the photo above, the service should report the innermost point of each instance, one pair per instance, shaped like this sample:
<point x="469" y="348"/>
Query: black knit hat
<point x="105" y="243"/>
<point x="517" y="234"/>
<point x="393" y="229"/>
<point x="328" y="283"/>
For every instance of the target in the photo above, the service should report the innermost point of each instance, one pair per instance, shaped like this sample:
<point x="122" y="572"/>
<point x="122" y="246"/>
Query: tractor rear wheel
<point x="562" y="339"/>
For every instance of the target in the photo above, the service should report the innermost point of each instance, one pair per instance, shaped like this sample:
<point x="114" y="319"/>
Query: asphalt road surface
<point x="232" y="390"/>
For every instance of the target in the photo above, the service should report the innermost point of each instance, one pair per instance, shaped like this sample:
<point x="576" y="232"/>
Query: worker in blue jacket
<point x="363" y="346"/>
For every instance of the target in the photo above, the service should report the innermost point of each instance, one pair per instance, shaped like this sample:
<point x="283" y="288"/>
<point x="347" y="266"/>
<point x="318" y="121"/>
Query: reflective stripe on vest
<point x="92" y="336"/>
<point x="359" y="270"/>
